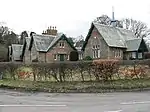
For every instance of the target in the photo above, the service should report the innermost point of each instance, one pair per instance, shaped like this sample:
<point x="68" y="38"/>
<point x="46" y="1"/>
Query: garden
<point x="77" y="76"/>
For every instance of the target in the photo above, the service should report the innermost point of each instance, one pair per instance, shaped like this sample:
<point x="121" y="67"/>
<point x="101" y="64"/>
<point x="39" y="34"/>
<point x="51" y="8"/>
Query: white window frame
<point x="120" y="53"/>
<point x="99" y="53"/>
<point x="67" y="56"/>
<point x="81" y="56"/>
<point x="115" y="53"/>
<point x="93" y="53"/>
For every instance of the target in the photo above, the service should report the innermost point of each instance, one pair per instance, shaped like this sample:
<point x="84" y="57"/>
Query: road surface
<point x="12" y="101"/>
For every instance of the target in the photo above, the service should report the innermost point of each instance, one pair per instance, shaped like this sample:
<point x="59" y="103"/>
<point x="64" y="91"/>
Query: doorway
<point x="62" y="57"/>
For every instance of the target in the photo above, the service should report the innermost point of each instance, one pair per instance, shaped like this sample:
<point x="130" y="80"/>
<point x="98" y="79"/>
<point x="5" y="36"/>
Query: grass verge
<point x="77" y="87"/>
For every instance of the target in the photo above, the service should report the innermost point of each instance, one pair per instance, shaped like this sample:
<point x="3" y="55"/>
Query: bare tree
<point x="103" y="19"/>
<point x="3" y="31"/>
<point x="139" y="28"/>
<point x="106" y="20"/>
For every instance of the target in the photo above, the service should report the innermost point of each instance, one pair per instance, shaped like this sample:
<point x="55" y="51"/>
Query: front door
<point x="62" y="57"/>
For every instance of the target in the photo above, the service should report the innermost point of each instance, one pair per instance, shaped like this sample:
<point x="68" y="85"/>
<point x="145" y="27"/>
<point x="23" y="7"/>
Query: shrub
<point x="3" y="53"/>
<point x="105" y="69"/>
<point x="75" y="71"/>
<point x="147" y="55"/>
<point x="74" y="56"/>
<point x="87" y="58"/>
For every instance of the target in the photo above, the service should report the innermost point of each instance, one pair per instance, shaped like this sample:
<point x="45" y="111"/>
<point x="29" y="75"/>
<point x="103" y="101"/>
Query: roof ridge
<point x="44" y="35"/>
<point x="134" y="39"/>
<point x="16" y="44"/>
<point x="112" y="26"/>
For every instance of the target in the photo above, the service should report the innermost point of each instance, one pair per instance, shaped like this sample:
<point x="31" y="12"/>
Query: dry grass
<point x="117" y="85"/>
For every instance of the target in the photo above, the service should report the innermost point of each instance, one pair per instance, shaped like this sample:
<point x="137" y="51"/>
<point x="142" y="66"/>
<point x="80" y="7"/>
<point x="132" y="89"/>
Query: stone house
<point x="108" y="42"/>
<point x="46" y="48"/>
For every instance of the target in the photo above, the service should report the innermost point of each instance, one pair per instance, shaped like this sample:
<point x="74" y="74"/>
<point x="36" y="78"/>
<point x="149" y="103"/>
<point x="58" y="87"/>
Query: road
<point x="12" y="101"/>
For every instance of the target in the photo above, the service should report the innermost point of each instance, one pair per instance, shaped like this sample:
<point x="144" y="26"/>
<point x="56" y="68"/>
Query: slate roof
<point x="133" y="45"/>
<point x="42" y="42"/>
<point x="17" y="51"/>
<point x="79" y="44"/>
<point x="45" y="42"/>
<point x="116" y="37"/>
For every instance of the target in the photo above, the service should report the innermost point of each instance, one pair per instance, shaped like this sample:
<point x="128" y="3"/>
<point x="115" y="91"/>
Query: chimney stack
<point x="51" y="31"/>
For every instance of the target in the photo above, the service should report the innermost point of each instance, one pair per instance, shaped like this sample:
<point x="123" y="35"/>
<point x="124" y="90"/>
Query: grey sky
<point x="73" y="17"/>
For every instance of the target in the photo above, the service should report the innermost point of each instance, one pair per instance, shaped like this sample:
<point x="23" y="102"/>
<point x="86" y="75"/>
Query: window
<point x="117" y="53"/>
<point x="93" y="46"/>
<point x="68" y="57"/>
<point x="55" y="56"/>
<point x="98" y="53"/>
<point x="96" y="47"/>
<point x="81" y="56"/>
<point x="139" y="55"/>
<point x="62" y="44"/>
<point x="93" y="53"/>
<point x="133" y="54"/>
<point x="120" y="53"/>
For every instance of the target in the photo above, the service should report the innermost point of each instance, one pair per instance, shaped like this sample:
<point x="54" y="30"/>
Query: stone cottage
<point x="46" y="48"/>
<point x="108" y="42"/>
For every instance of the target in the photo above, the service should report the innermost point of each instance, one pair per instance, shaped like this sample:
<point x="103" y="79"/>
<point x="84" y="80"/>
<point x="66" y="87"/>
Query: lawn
<point x="74" y="87"/>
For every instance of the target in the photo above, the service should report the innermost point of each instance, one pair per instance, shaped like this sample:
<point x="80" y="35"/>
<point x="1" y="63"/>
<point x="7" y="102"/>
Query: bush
<point x="105" y="69"/>
<point x="3" y="53"/>
<point x="87" y="58"/>
<point x="75" y="71"/>
<point x="147" y="55"/>
<point x="74" y="56"/>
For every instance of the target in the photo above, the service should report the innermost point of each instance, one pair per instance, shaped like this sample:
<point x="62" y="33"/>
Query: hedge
<point x="97" y="70"/>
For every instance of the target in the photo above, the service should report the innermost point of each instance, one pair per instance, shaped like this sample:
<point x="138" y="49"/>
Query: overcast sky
<point x="72" y="17"/>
